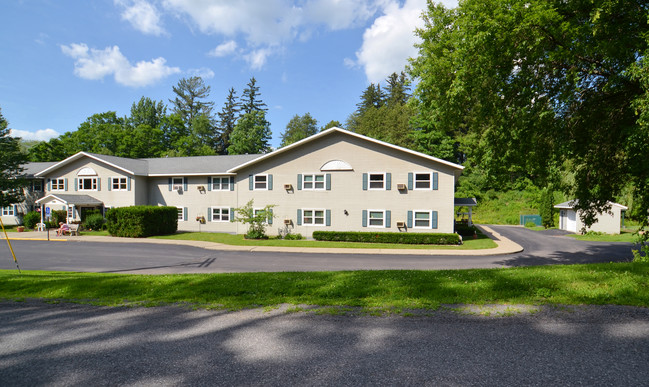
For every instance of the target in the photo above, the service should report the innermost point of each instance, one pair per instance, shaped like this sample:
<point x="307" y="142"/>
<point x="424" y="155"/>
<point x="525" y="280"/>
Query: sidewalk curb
<point x="504" y="246"/>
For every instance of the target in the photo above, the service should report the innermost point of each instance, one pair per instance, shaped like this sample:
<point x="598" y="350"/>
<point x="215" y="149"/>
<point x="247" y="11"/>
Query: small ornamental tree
<point x="257" y="220"/>
<point x="546" y="208"/>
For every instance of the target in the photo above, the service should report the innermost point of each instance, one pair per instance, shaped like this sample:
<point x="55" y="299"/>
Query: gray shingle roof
<point x="469" y="202"/>
<point x="32" y="168"/>
<point x="196" y="165"/>
<point x="77" y="200"/>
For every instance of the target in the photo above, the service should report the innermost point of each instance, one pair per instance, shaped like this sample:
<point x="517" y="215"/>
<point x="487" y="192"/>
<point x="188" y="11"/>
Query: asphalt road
<point x="540" y="248"/>
<point x="63" y="345"/>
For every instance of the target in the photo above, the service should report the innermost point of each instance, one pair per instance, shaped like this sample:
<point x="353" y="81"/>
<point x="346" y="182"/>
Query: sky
<point x="62" y="61"/>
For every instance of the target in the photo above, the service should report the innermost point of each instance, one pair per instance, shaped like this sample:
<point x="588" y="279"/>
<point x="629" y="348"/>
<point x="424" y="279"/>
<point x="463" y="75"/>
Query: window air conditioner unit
<point x="401" y="187"/>
<point x="287" y="222"/>
<point x="178" y="188"/>
<point x="288" y="187"/>
<point x="401" y="224"/>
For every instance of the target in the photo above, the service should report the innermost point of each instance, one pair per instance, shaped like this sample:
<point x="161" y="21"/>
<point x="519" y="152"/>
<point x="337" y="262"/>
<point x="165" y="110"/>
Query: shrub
<point x="465" y="230"/>
<point x="59" y="216"/>
<point x="293" y="237"/>
<point x="388" y="237"/>
<point x="256" y="220"/>
<point x="530" y="224"/>
<point x="142" y="221"/>
<point x="94" y="222"/>
<point x="31" y="219"/>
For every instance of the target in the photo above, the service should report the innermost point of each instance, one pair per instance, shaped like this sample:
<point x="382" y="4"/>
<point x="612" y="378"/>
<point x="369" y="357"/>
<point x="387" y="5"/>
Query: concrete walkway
<point x="505" y="246"/>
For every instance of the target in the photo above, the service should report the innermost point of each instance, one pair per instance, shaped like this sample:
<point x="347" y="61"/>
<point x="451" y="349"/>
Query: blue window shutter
<point x="364" y="218"/>
<point x="270" y="182"/>
<point x="231" y="214"/>
<point x="209" y="183"/>
<point x="208" y="217"/>
<point x="299" y="181"/>
<point x="128" y="183"/>
<point x="328" y="218"/>
<point x="365" y="182"/>
<point x="435" y="180"/>
<point x="410" y="179"/>
<point x="49" y="184"/>
<point x="110" y="183"/>
<point x="270" y="216"/>
<point x="98" y="184"/>
<point x="409" y="223"/>
<point x="433" y="219"/>
<point x="251" y="182"/>
<point x="388" y="220"/>
<point x="388" y="181"/>
<point x="185" y="184"/>
<point x="299" y="217"/>
<point x="185" y="213"/>
<point x="328" y="181"/>
<point x="231" y="183"/>
<point x="169" y="184"/>
<point x="15" y="210"/>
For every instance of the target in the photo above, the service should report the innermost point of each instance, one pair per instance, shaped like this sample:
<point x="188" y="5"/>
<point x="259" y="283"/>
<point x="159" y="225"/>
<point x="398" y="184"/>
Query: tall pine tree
<point x="227" y="120"/>
<point x="251" y="98"/>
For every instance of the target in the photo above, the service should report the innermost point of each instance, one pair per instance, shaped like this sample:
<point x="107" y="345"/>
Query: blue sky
<point x="63" y="60"/>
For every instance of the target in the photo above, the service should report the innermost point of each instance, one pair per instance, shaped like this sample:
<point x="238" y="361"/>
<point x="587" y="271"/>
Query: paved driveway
<point x="80" y="345"/>
<point x="540" y="248"/>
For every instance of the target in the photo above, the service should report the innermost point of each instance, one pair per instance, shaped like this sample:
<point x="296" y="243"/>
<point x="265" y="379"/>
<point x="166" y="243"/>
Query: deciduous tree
<point x="298" y="128"/>
<point x="251" y="135"/>
<point x="12" y="160"/>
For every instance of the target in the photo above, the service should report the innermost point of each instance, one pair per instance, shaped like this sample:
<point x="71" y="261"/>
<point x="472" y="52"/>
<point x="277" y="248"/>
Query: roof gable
<point x="330" y="131"/>
<point x="130" y="166"/>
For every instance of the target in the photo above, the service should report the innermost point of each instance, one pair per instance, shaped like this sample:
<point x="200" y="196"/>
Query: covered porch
<point x="72" y="204"/>
<point x="466" y="217"/>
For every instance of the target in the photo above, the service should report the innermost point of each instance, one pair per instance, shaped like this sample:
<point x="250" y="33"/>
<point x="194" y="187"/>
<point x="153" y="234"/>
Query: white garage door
<point x="571" y="224"/>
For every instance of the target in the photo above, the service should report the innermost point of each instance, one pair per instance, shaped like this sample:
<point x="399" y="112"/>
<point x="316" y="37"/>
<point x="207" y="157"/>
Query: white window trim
<point x="369" y="181"/>
<point x="176" y="187"/>
<point x="220" y="178"/>
<point x="181" y="214"/>
<point x="369" y="212"/>
<point x="62" y="184"/>
<point x="8" y="211"/>
<point x="324" y="182"/>
<point x="414" y="218"/>
<point x="430" y="181"/>
<point x="324" y="217"/>
<point x="254" y="183"/>
<point x="254" y="213"/>
<point x="221" y="209"/>
<point x="94" y="183"/>
<point x="118" y="179"/>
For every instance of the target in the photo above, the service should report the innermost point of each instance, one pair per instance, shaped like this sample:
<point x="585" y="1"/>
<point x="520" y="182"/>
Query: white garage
<point x="607" y="222"/>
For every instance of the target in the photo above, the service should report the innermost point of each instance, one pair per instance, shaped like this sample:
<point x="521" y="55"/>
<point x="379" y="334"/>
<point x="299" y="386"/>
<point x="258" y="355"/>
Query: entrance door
<point x="571" y="223"/>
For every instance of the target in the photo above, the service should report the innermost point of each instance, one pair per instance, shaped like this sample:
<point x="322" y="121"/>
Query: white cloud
<point x="142" y="15"/>
<point x="96" y="64"/>
<point x="224" y="49"/>
<point x="39" y="135"/>
<point x="389" y="42"/>
<point x="203" y="72"/>
<point x="257" y="58"/>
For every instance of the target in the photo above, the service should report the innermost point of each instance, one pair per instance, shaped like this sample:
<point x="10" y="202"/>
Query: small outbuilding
<point x="607" y="222"/>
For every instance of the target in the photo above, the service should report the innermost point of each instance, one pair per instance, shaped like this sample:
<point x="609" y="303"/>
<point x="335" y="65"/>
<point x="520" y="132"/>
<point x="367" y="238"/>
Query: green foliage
<point x="250" y="98"/>
<point x="94" y="222"/>
<point x="529" y="87"/>
<point x="299" y="128"/>
<point x="331" y="124"/>
<point x="59" y="216"/>
<point x="142" y="221"/>
<point x="251" y="135"/>
<point x="641" y="255"/>
<point x="189" y="101"/>
<point x="31" y="219"/>
<point x="11" y="172"/>
<point x="546" y="208"/>
<point x="228" y="120"/>
<point x="388" y="237"/>
<point x="256" y="220"/>
<point x="531" y="225"/>
<point x="293" y="237"/>
<point x="465" y="230"/>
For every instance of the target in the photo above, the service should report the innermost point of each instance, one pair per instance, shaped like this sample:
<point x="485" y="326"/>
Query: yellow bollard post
<point x="9" y="243"/>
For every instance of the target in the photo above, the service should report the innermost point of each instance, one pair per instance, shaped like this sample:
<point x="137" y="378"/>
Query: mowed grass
<point x="624" y="236"/>
<point x="483" y="242"/>
<point x="610" y="283"/>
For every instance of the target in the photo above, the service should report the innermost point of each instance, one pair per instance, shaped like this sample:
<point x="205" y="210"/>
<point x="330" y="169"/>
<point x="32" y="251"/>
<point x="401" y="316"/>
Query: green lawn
<point x="609" y="283"/>
<point x="622" y="237"/>
<point x="483" y="242"/>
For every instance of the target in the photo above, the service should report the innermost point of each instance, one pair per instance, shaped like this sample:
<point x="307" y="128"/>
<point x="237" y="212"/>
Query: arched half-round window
<point x="336" y="165"/>
<point x="87" y="171"/>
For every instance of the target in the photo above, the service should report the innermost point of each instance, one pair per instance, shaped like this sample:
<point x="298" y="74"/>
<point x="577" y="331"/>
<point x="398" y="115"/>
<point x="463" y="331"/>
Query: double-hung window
<point x="313" y="182"/>
<point x="87" y="184"/>
<point x="8" y="211"/>
<point x="37" y="185"/>
<point x="260" y="182"/>
<point x="58" y="184"/>
<point x="177" y="183"/>
<point x="220" y="214"/>
<point x="182" y="215"/>
<point x="376" y="180"/>
<point x="376" y="218"/>
<point x="119" y="184"/>
<point x="423" y="180"/>
<point x="422" y="219"/>
<point x="311" y="217"/>
<point x="221" y="183"/>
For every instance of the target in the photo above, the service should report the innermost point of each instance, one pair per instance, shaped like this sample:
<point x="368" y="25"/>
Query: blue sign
<point x="47" y="210"/>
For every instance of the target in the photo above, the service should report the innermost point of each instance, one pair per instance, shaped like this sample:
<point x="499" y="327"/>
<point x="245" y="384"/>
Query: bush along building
<point x="335" y="180"/>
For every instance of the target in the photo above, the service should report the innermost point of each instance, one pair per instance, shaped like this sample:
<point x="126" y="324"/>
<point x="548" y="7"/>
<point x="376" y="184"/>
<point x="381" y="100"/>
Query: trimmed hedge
<point x="388" y="237"/>
<point x="465" y="230"/>
<point x="142" y="221"/>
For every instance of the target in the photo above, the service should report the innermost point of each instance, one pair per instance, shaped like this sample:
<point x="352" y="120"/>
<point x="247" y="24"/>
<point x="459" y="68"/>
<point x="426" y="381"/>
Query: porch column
<point x="470" y="216"/>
